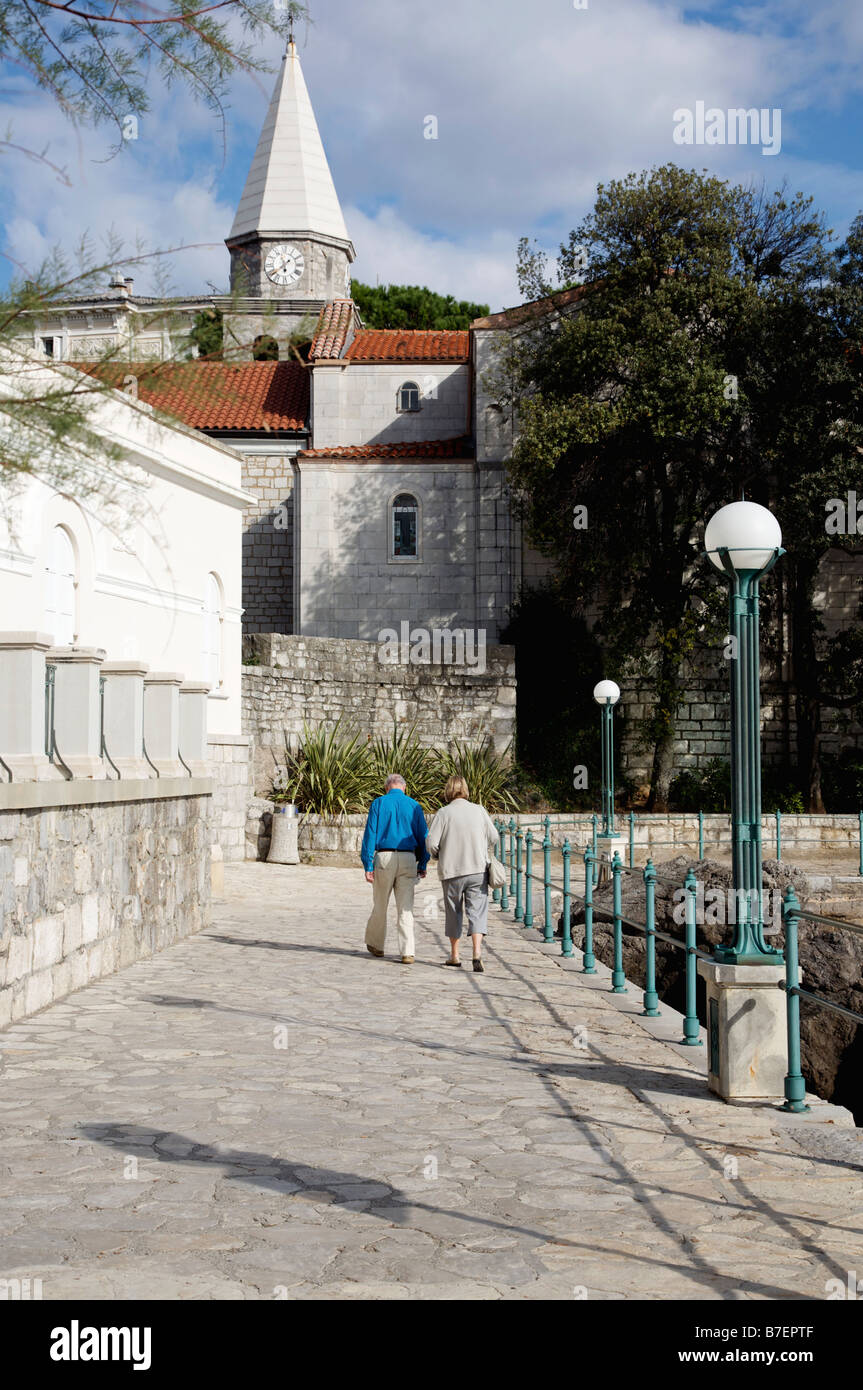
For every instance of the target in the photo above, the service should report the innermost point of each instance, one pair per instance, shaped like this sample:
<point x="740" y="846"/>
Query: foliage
<point x="265" y="348"/>
<point x="207" y="333"/>
<point x="339" y="772"/>
<point x="99" y="61"/>
<point x="653" y="399"/>
<point x="331" y="774"/>
<point x="843" y="781"/>
<point x="485" y="772"/>
<point x="709" y="789"/>
<point x="412" y="306"/>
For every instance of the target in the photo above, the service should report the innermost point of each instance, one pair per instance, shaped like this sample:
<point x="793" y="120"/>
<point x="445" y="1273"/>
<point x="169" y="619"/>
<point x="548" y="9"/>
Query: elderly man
<point x="393" y="852"/>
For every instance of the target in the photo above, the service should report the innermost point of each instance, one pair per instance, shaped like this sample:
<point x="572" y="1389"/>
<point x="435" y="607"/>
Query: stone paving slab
<point x="265" y="1111"/>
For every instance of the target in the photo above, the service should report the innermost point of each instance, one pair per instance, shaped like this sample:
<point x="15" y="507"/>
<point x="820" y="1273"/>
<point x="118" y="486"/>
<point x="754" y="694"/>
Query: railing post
<point x="779" y="835"/>
<point x="593" y="847"/>
<point x="651" y="998"/>
<point x="548" y="925"/>
<point x="691" y="1026"/>
<point x="632" y="839"/>
<point x="519" y="875"/>
<point x="589" y="963"/>
<point x="528" y="880"/>
<point x="795" y="1086"/>
<point x="511" y="857"/>
<point x="618" y="977"/>
<point x="566" y="941"/>
<point x="504" y="899"/>
<point x="497" y="825"/>
<point x="700" y="834"/>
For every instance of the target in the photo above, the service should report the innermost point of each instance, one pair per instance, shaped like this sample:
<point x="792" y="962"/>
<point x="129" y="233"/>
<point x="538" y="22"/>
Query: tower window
<point x="265" y="349"/>
<point x="48" y="347"/>
<point x="405" y="526"/>
<point x="409" y="396"/>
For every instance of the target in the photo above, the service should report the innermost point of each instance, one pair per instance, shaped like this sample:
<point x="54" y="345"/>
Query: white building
<point x="375" y="459"/>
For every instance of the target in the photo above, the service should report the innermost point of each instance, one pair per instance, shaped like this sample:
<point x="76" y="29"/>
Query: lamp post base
<point x="746" y="1032"/>
<point x="606" y="848"/>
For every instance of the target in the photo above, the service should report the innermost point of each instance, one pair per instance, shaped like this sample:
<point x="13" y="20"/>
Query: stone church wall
<point x="268" y="550"/>
<point x="95" y="876"/>
<point x="315" y="679"/>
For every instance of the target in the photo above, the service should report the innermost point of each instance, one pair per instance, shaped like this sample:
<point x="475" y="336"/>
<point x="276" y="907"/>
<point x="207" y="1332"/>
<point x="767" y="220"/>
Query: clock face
<point x="284" y="264"/>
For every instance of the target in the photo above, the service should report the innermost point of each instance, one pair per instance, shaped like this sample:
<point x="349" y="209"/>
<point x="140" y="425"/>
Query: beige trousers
<point x="395" y="872"/>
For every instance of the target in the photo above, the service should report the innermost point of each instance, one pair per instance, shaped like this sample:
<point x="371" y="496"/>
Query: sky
<point x="535" y="104"/>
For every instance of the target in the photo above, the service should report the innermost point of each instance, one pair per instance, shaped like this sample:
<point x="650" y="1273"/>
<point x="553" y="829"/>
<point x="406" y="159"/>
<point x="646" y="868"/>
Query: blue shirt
<point x="395" y="821"/>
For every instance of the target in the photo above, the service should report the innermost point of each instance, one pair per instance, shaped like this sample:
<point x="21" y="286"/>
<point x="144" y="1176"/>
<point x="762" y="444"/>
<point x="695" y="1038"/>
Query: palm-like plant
<point x="486" y="773"/>
<point x="402" y="752"/>
<point x="330" y="775"/>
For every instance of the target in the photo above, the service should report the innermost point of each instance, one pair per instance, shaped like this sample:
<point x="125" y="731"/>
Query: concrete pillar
<point x="284" y="847"/>
<point x="77" y="709"/>
<point x="193" y="725"/>
<point x="22" y="706"/>
<point x="162" y="721"/>
<point x="746" y="1034"/>
<point x="124" y="716"/>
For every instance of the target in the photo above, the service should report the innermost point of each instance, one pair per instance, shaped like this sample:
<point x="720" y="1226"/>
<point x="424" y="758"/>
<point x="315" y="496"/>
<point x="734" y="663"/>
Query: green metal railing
<point x="523" y="877"/>
<point x="792" y="915"/>
<point x="719" y="841"/>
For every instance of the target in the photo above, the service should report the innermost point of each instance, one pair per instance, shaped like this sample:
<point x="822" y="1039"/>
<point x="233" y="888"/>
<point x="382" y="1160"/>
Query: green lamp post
<point x="743" y="540"/>
<point x="606" y="694"/>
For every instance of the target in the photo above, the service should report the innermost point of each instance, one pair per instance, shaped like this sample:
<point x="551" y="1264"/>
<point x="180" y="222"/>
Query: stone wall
<point x="268" y="549"/>
<point x="317" y="679"/>
<point x="94" y="876"/>
<point x="230" y="768"/>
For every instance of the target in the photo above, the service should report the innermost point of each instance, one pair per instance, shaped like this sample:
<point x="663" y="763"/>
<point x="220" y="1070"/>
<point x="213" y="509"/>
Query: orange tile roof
<point x="410" y="345"/>
<point x="459" y="448"/>
<point x="246" y="397"/>
<point x="333" y="326"/>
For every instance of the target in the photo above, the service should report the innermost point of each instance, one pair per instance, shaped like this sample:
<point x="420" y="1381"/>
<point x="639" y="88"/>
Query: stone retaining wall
<point x="230" y="768"/>
<point x="319" y="679"/>
<point x="660" y="836"/>
<point x="99" y="875"/>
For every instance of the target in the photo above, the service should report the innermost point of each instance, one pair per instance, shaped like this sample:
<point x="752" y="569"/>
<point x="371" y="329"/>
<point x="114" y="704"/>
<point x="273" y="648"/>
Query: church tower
<point x="290" y="249"/>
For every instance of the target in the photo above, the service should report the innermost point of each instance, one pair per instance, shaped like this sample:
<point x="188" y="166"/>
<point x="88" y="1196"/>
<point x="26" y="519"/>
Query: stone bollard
<point x="217" y="871"/>
<point x="284" y="846"/>
<point x="22" y="707"/>
<point x="77" y="708"/>
<point x="162" y="722"/>
<point x="124" y="716"/>
<point x="193" y="726"/>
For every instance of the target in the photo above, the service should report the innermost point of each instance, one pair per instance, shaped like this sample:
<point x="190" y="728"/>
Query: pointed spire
<point x="290" y="189"/>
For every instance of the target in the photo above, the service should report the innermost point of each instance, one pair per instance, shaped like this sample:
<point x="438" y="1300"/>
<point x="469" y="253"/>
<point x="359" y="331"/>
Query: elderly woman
<point x="462" y="838"/>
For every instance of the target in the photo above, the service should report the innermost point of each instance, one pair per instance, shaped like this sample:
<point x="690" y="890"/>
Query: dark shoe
<point x="372" y="950"/>
<point x="456" y="963"/>
<point x="479" y="968"/>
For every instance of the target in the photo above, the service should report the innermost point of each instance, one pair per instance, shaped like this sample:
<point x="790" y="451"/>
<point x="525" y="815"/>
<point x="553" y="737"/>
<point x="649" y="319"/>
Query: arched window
<point x="213" y="633"/>
<point x="409" y="396"/>
<point x="62" y="583"/>
<point x="265" y="348"/>
<point x="405" y="526"/>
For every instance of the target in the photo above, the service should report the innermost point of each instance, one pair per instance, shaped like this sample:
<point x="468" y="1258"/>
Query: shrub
<point x="331" y="774"/>
<point x="486" y="773"/>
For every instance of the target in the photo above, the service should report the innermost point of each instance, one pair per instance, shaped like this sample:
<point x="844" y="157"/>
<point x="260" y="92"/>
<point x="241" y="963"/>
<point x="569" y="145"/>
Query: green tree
<point x="412" y="306"/>
<point x="207" y="333"/>
<point x="634" y="408"/>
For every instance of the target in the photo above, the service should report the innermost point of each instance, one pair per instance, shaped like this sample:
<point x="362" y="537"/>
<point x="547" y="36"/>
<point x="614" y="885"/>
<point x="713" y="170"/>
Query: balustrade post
<point x="618" y="977"/>
<point x="651" y="998"/>
<point x="548" y="925"/>
<point x="691" y="1026"/>
<point x="795" y="1085"/>
<point x="589" y="963"/>
<point x="566" y="941"/>
<point x="504" y="896"/>
<point x="528" y="879"/>
<point x="511" y="857"/>
<point x="519" y="875"/>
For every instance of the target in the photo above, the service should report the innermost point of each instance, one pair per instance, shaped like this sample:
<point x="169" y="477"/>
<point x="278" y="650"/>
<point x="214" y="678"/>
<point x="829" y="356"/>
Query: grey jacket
<point x="462" y="837"/>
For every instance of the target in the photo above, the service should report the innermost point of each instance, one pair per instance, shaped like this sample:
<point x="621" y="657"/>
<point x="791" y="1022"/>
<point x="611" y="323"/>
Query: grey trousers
<point x="469" y="892"/>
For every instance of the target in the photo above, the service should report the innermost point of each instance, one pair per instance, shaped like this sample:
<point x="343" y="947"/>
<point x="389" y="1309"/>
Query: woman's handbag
<point x="496" y="873"/>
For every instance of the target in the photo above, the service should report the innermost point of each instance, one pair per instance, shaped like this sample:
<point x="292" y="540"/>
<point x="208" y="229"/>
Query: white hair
<point x="395" y="779"/>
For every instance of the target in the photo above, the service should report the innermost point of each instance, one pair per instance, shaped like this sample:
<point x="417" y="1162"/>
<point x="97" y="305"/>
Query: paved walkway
<point x="265" y="1111"/>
